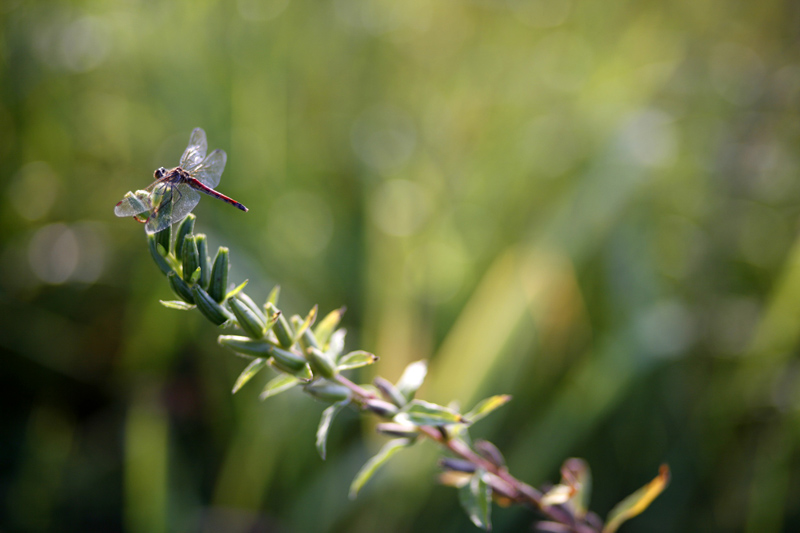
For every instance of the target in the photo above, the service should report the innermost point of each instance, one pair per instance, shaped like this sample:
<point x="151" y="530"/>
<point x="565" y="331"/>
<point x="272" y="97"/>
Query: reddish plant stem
<point x="512" y="487"/>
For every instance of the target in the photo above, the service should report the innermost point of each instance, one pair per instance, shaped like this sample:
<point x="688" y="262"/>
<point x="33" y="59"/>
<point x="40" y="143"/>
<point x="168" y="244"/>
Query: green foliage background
<point x="592" y="206"/>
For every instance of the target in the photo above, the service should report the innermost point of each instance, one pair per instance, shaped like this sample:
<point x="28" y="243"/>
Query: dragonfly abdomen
<point x="197" y="184"/>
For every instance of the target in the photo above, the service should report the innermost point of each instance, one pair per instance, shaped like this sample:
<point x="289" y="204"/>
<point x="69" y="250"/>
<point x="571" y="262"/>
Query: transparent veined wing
<point x="133" y="203"/>
<point x="171" y="205"/>
<point x="210" y="170"/>
<point x="196" y="151"/>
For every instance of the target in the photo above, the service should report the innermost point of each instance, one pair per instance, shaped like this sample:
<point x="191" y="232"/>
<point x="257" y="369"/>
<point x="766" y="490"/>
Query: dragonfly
<point x="174" y="194"/>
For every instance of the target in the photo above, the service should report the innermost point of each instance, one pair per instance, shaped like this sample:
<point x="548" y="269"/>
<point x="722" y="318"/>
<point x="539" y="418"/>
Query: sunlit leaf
<point x="237" y="290"/>
<point x="278" y="385"/>
<point x="421" y="413"/>
<point x="176" y="304"/>
<point x="325" y="424"/>
<point x="327" y="325"/>
<point x="252" y="369"/>
<point x="336" y="344"/>
<point x="485" y="407"/>
<point x="476" y="500"/>
<point x="307" y="323"/>
<point x="558" y="495"/>
<point x="273" y="295"/>
<point x="637" y="502"/>
<point x="356" y="359"/>
<point x="375" y="462"/>
<point x="412" y="379"/>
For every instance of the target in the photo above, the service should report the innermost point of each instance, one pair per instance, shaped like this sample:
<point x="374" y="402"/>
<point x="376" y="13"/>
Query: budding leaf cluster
<point x="310" y="355"/>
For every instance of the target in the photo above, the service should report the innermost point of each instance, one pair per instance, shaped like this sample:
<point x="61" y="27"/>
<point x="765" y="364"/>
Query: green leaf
<point x="162" y="263"/>
<point x="185" y="228"/>
<point x="327" y="325"/>
<point x="307" y="323"/>
<point x="336" y="344"/>
<point x="328" y="391"/>
<point x="278" y="385"/>
<point x="356" y="359"/>
<point x="412" y="379"/>
<point x="325" y="424"/>
<point x="389" y="391"/>
<point x="273" y="295"/>
<point x="375" y="462"/>
<point x="176" y="304"/>
<point x="211" y="309"/>
<point x="191" y="260"/>
<point x="252" y="369"/>
<point x="205" y="265"/>
<point x="248" y="320"/>
<point x="421" y="413"/>
<point x="637" y="502"/>
<point x="219" y="275"/>
<point x="476" y="500"/>
<point x="237" y="290"/>
<point x="245" y="345"/>
<point x="485" y="407"/>
<point x="320" y="363"/>
<point x="181" y="288"/>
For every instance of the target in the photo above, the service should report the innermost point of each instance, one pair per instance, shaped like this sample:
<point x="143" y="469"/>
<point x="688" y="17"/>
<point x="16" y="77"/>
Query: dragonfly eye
<point x="159" y="173"/>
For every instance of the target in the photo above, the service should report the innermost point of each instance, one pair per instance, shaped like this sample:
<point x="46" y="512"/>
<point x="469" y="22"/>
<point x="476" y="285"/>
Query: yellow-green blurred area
<point x="592" y="206"/>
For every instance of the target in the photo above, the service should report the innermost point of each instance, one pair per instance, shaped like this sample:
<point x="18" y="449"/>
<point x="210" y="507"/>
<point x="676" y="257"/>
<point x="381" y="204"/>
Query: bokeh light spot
<point x="301" y="223"/>
<point x="383" y="137"/>
<point x="541" y="13"/>
<point x="400" y="207"/>
<point x="649" y="138"/>
<point x="34" y="190"/>
<point x="53" y="253"/>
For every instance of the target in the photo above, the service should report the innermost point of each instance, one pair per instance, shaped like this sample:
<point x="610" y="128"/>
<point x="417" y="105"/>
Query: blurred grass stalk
<point x="146" y="463"/>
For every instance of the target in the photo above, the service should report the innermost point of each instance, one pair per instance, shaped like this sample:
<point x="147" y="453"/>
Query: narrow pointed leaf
<point x="237" y="290"/>
<point x="375" y="462"/>
<point x="245" y="345"/>
<point x="307" y="323"/>
<point x="252" y="305"/>
<point x="252" y="369"/>
<point x="356" y="359"/>
<point x="412" y="379"/>
<point x="325" y="425"/>
<point x="421" y="413"/>
<point x="158" y="257"/>
<point x="637" y="502"/>
<point x="274" y="294"/>
<point x="304" y="374"/>
<point x="476" y="500"/>
<point x="176" y="304"/>
<point x="327" y="325"/>
<point x="278" y="385"/>
<point x="184" y="229"/>
<point x="336" y="344"/>
<point x="486" y="406"/>
<point x="389" y="391"/>
<point x="218" y="283"/>
<point x="181" y="288"/>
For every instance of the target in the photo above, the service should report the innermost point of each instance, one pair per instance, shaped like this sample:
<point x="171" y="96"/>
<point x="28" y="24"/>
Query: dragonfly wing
<point x="175" y="205"/>
<point x="133" y="204"/>
<point x="196" y="151"/>
<point x="210" y="171"/>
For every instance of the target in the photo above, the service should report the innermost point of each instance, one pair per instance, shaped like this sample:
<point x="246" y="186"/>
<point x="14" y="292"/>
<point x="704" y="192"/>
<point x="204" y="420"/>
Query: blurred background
<point x="592" y="206"/>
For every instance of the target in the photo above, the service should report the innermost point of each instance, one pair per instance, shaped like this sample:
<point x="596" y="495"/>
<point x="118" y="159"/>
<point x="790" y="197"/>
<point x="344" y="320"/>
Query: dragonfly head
<point x="159" y="173"/>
